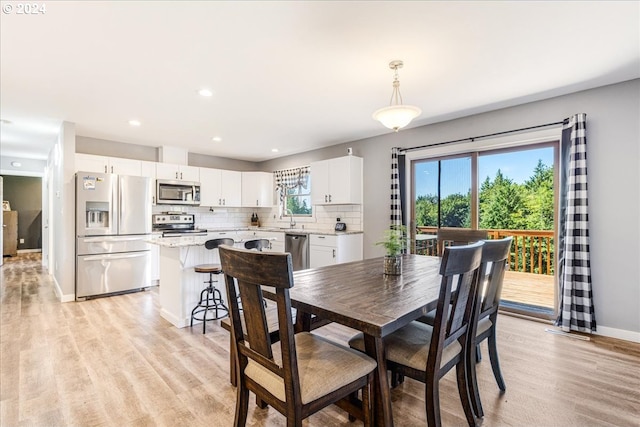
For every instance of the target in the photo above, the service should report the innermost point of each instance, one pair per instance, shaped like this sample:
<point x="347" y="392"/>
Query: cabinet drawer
<point x="323" y="240"/>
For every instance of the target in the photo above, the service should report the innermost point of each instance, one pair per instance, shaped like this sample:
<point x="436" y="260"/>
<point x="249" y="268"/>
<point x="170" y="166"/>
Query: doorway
<point x="508" y="192"/>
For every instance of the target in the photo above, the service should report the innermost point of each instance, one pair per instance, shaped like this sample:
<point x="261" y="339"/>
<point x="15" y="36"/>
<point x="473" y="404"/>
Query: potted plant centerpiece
<point x="394" y="242"/>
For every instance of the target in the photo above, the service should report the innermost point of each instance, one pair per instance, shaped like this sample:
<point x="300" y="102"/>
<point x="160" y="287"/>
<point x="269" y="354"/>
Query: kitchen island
<point x="180" y="285"/>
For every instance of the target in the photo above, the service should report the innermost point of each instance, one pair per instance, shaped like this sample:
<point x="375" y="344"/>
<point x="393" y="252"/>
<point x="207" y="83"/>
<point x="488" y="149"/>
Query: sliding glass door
<point x="506" y="192"/>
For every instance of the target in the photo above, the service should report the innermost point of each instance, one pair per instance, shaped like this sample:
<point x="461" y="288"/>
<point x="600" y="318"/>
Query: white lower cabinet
<point x="329" y="250"/>
<point x="155" y="261"/>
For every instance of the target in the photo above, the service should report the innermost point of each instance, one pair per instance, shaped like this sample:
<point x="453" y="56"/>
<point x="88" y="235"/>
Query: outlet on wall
<point x="21" y="241"/>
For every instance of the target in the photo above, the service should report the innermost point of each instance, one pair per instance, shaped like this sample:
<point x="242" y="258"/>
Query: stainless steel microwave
<point x="177" y="192"/>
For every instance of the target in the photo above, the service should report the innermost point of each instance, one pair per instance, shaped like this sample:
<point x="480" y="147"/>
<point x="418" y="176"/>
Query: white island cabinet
<point x="180" y="285"/>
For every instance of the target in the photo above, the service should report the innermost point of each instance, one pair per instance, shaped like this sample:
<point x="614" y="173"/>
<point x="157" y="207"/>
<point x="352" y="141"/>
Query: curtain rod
<point x="471" y="139"/>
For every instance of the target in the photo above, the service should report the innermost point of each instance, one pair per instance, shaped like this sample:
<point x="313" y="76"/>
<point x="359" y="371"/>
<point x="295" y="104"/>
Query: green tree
<point x="539" y="198"/>
<point x="456" y="211"/>
<point x="427" y="211"/>
<point x="502" y="204"/>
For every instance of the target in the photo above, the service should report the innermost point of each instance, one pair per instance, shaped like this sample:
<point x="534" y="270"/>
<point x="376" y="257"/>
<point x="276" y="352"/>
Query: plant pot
<point x="393" y="265"/>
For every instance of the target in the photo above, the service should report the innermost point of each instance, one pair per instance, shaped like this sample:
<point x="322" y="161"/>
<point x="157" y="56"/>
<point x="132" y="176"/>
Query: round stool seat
<point x="208" y="268"/>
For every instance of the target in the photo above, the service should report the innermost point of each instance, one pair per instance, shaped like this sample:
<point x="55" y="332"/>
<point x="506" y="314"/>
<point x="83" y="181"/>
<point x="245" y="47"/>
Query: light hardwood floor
<point x="115" y="362"/>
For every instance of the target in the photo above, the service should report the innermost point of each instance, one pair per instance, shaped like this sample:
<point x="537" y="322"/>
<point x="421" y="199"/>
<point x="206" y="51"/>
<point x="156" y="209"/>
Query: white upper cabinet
<point x="257" y="189"/>
<point x="337" y="181"/>
<point x="103" y="164"/>
<point x="177" y="172"/>
<point x="220" y="187"/>
<point x="148" y="169"/>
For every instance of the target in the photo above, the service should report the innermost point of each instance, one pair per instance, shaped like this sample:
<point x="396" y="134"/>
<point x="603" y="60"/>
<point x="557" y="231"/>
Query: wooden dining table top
<point x="359" y="295"/>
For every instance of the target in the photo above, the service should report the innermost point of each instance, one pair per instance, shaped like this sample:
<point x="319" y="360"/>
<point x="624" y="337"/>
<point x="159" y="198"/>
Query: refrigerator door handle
<point x="113" y="239"/>
<point x="111" y="257"/>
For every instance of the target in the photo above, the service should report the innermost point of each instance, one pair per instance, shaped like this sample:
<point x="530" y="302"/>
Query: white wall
<point x="62" y="160"/>
<point x="613" y="140"/>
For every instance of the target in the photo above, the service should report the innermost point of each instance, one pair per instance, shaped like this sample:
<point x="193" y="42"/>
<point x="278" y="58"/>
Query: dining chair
<point x="426" y="353"/>
<point x="210" y="297"/>
<point x="452" y="236"/>
<point x="301" y="374"/>
<point x="495" y="261"/>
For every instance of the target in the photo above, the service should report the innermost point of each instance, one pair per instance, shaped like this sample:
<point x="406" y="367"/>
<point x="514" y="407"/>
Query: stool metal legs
<point x="210" y="301"/>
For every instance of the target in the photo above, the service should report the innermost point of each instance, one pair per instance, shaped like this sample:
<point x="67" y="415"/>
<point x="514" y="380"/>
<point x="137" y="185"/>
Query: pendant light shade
<point x="396" y="115"/>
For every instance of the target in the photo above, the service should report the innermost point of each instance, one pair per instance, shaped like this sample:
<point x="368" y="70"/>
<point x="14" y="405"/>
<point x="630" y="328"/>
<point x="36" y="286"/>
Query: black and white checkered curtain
<point x="288" y="179"/>
<point x="574" y="268"/>
<point x="396" y="196"/>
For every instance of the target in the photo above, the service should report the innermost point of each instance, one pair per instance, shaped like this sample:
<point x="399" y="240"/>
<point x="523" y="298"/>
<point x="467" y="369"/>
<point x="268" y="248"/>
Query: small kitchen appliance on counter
<point x="176" y="224"/>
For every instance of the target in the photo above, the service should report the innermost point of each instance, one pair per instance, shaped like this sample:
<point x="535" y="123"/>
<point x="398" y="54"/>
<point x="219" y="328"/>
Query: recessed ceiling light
<point x="16" y="164"/>
<point x="216" y="139"/>
<point x="274" y="150"/>
<point x="205" y="92"/>
<point x="134" y="122"/>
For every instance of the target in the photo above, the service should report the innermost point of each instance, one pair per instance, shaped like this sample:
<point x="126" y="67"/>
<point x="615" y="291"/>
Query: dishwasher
<point x="298" y="246"/>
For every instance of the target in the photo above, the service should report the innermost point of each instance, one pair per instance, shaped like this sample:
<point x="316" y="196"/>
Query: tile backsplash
<point x="324" y="217"/>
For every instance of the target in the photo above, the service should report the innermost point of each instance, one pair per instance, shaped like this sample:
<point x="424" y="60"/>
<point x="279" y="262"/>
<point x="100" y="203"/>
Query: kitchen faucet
<point x="292" y="223"/>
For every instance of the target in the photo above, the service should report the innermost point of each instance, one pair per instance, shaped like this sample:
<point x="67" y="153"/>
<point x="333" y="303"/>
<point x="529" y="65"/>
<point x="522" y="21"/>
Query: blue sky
<point x="456" y="173"/>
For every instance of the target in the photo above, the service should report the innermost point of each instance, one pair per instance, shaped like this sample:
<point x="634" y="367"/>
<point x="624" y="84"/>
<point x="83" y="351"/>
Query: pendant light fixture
<point x="396" y="115"/>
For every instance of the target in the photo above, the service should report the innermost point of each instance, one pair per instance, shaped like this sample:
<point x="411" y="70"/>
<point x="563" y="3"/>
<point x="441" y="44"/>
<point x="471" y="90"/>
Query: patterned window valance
<point x="287" y="179"/>
<point x="292" y="178"/>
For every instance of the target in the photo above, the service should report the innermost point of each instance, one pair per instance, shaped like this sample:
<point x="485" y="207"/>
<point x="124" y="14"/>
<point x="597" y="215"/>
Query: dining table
<point x="359" y="295"/>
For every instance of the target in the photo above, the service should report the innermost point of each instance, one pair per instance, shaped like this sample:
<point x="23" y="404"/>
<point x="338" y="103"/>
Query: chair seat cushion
<point x="409" y="346"/>
<point x="484" y="325"/>
<point x="323" y="367"/>
<point x="208" y="268"/>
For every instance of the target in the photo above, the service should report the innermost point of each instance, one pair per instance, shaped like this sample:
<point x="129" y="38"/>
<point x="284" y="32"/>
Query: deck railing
<point x="532" y="251"/>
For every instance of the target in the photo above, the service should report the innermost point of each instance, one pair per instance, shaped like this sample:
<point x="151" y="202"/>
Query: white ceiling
<point x="291" y="75"/>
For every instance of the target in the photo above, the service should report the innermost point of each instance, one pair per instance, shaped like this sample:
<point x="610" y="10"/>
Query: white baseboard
<point x="174" y="320"/>
<point x="59" y="294"/>
<point x="26" y="251"/>
<point x="621" y="334"/>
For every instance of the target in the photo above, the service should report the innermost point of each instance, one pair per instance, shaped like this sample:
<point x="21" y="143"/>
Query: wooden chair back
<point x="458" y="236"/>
<point x="460" y="267"/>
<point x="251" y="269"/>
<point x="257" y="244"/>
<point x="495" y="261"/>
<point x="214" y="243"/>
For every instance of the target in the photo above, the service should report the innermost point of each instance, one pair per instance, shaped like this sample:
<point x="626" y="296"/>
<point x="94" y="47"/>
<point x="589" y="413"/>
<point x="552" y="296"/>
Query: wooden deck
<point x="529" y="288"/>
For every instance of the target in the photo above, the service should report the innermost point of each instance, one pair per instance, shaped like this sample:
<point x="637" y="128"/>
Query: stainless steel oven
<point x="177" y="192"/>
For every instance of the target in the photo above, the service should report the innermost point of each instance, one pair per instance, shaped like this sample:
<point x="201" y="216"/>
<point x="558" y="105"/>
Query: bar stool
<point x="258" y="244"/>
<point x="210" y="297"/>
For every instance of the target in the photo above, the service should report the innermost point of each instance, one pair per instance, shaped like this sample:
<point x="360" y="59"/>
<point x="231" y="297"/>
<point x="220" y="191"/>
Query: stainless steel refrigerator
<point x="113" y="220"/>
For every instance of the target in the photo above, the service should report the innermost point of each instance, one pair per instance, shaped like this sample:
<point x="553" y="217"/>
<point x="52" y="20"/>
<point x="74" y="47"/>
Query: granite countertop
<point x="184" y="241"/>
<point x="288" y="230"/>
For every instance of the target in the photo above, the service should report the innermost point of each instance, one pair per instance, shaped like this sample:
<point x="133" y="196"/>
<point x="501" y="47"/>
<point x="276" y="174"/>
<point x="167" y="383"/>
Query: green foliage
<point x="394" y="240"/>
<point x="503" y="204"/>
<point x="456" y="211"/>
<point x="298" y="205"/>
